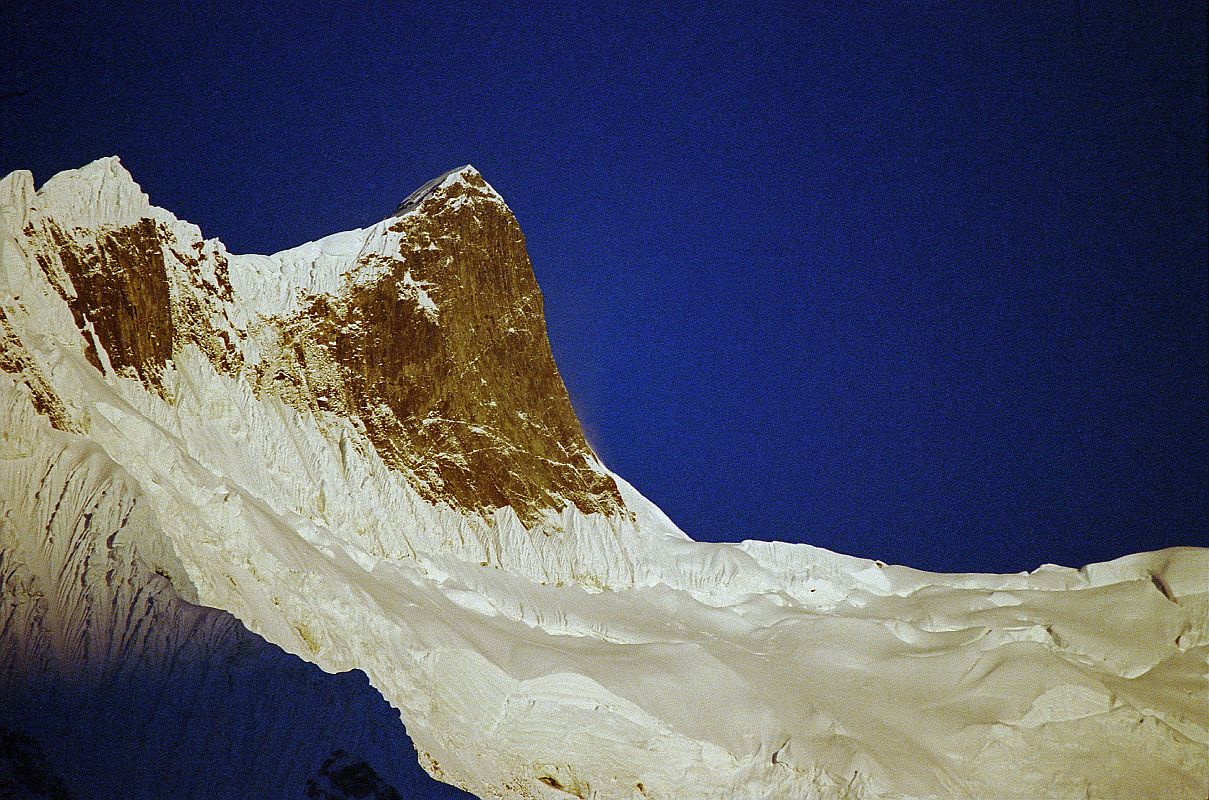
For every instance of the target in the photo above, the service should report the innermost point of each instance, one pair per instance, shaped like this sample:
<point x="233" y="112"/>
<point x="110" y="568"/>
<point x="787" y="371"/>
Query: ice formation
<point x="361" y="450"/>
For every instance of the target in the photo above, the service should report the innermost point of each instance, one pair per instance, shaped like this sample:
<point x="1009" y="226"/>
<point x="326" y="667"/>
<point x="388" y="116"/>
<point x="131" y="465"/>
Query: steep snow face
<point x="130" y="690"/>
<point x="361" y="449"/>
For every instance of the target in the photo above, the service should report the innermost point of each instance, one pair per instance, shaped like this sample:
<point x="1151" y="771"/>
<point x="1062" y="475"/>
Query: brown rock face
<point x="121" y="291"/>
<point x="444" y="359"/>
<point x="138" y="295"/>
<point x="439" y="357"/>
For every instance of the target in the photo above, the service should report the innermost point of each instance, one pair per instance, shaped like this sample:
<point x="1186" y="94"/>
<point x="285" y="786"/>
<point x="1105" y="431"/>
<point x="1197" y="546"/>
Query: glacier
<point x="359" y="450"/>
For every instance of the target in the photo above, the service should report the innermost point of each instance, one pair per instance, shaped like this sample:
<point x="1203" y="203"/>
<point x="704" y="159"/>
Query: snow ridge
<point x="461" y="175"/>
<point x="99" y="194"/>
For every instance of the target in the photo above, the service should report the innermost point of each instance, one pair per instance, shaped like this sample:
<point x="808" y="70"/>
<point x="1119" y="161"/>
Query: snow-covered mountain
<point x="360" y="450"/>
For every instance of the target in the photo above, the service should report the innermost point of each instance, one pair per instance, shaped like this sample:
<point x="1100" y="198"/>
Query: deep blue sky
<point x="914" y="281"/>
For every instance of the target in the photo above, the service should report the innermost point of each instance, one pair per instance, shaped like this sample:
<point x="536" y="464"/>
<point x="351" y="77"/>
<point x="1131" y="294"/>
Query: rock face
<point x="360" y="450"/>
<point x="442" y="357"/>
<point x="24" y="774"/>
<point x="343" y="777"/>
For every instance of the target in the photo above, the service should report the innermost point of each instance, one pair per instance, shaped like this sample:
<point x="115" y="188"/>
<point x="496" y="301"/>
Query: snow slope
<point x="544" y="630"/>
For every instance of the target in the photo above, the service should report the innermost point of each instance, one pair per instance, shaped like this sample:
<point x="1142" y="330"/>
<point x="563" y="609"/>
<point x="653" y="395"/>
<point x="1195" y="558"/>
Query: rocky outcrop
<point x="442" y="357"/>
<point x="343" y="777"/>
<point x="24" y="772"/>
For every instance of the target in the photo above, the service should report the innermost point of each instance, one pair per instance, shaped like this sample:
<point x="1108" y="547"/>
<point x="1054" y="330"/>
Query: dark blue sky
<point x="913" y="281"/>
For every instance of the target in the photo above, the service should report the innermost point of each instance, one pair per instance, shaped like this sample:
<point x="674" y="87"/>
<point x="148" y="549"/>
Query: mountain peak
<point x="465" y="176"/>
<point x="101" y="193"/>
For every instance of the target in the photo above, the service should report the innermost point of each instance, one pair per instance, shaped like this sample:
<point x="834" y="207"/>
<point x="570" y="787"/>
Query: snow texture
<point x="589" y="655"/>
